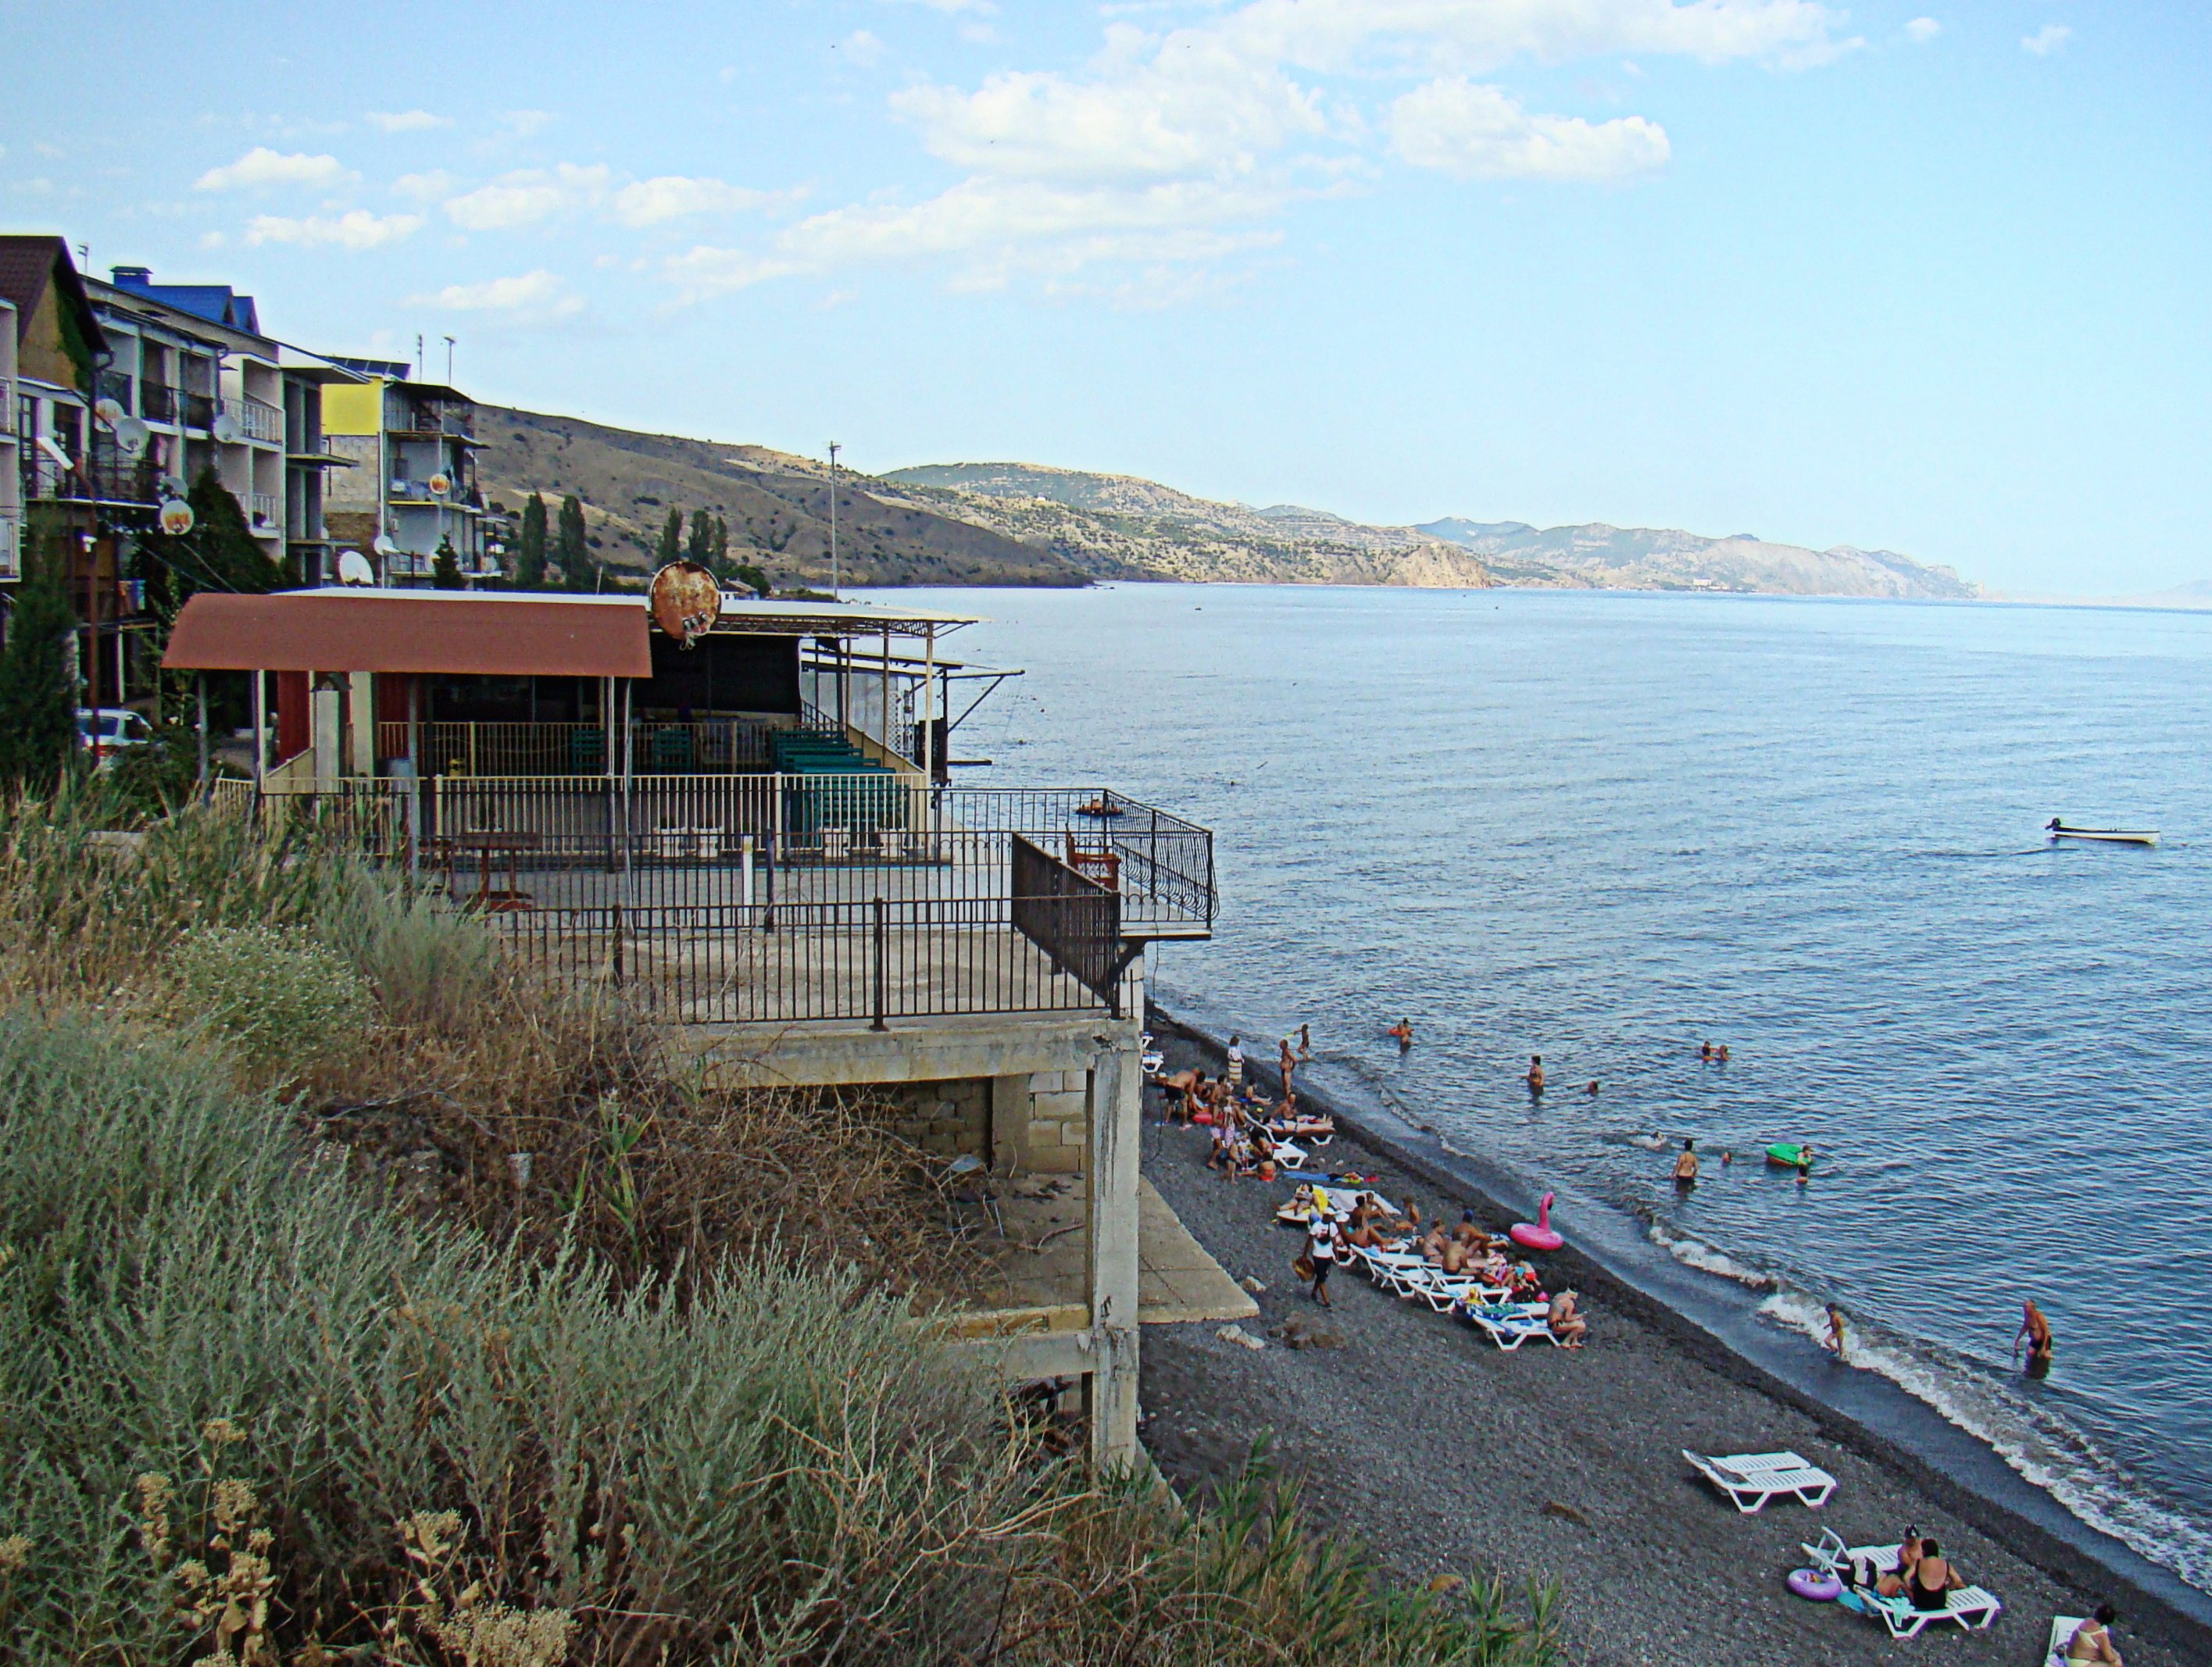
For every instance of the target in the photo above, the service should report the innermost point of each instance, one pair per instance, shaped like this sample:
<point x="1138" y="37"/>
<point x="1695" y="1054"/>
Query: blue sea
<point x="1606" y="827"/>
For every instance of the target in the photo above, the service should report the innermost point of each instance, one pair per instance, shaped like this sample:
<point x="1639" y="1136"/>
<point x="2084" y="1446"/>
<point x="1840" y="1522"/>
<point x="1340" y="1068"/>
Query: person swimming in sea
<point x="1402" y="1033"/>
<point x="1591" y="1090"/>
<point x="2036" y="1331"/>
<point x="1536" y="1078"/>
<point x="1686" y="1167"/>
<point x="1705" y="1053"/>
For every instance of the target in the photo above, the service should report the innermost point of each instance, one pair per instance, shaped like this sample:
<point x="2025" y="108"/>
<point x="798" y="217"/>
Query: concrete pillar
<point x="324" y="730"/>
<point x="361" y="725"/>
<point x="1116" y="1091"/>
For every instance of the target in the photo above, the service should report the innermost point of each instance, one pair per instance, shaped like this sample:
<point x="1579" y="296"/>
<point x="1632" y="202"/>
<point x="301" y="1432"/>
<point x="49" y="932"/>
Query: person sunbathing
<point x="2092" y="1639"/>
<point x="1566" y="1321"/>
<point x="1453" y="1258"/>
<point x="1927" y="1583"/>
<point x="1432" y="1244"/>
<point x="1367" y="1234"/>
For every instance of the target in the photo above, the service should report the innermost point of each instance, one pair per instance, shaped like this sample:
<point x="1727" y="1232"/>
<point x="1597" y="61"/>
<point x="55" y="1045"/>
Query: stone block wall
<point x="1041" y="1120"/>
<point x="945" y="1118"/>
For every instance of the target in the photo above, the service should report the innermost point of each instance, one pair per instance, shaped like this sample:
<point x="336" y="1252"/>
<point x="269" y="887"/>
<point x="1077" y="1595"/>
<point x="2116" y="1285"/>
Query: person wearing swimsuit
<point x="1928" y="1586"/>
<point x="2093" y="1639"/>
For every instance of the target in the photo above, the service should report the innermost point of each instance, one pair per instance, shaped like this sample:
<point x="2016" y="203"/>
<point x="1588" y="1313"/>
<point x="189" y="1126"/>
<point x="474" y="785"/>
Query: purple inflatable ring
<point x="1821" y="1588"/>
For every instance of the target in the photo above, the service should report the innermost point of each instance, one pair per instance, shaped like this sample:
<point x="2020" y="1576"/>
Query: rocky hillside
<point x="1643" y="558"/>
<point x="777" y="506"/>
<point x="1118" y="526"/>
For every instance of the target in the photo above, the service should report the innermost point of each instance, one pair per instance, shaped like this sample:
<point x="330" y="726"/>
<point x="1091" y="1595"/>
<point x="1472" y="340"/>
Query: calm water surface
<point x="1606" y="827"/>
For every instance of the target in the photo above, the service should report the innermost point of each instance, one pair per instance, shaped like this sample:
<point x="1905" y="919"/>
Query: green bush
<point x="287" y="1000"/>
<point x="431" y="966"/>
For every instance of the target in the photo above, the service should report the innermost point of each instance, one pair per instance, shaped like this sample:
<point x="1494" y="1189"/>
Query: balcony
<point x="11" y="548"/>
<point x="257" y="419"/>
<point x="158" y="402"/>
<point x="266" y="511"/>
<point x="106" y="477"/>
<point x="776" y="898"/>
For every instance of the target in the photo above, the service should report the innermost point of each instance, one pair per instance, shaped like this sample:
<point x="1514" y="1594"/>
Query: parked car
<point x="111" y="731"/>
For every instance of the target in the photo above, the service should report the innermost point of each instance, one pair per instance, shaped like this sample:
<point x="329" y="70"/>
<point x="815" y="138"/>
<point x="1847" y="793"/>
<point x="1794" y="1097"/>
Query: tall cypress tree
<point x="671" y="539"/>
<point x="530" y="559"/>
<point x="445" y="567"/>
<point x="700" y="546"/>
<point x="38" y="693"/>
<point x="718" y="558"/>
<point x="572" y="547"/>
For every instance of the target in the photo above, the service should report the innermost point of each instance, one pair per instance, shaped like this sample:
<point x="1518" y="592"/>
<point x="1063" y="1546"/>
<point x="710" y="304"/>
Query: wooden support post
<point x="1115" y="1127"/>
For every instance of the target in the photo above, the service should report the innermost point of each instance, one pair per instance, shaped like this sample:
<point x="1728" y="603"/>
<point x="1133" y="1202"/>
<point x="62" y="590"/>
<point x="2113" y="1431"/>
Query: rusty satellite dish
<point x="176" y="518"/>
<point x="686" y="601"/>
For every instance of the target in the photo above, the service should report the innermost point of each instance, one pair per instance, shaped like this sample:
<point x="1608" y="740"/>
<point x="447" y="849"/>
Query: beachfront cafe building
<point x="751" y="834"/>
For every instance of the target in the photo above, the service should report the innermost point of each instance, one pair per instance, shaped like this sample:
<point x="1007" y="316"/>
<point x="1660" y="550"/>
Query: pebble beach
<point x="1446" y="1455"/>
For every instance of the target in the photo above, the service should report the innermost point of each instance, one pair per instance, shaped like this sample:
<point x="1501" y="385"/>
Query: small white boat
<point x="2059" y="830"/>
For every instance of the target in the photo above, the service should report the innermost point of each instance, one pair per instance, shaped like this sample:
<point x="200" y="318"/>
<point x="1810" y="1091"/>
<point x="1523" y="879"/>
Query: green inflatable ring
<point x="1789" y="1155"/>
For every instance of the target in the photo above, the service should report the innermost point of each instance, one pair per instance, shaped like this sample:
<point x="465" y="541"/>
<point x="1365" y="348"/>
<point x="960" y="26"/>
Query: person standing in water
<point x="1686" y="1167"/>
<point x="1835" y="1333"/>
<point x="1535" y="1073"/>
<point x="1305" y="1041"/>
<point x="2036" y="1331"/>
<point x="1402" y="1033"/>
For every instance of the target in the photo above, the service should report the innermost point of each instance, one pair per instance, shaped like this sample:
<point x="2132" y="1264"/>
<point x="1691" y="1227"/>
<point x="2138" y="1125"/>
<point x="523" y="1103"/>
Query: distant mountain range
<point x="1022" y="523"/>
<point x="1109" y="524"/>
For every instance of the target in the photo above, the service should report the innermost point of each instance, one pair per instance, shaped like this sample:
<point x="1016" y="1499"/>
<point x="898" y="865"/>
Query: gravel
<point x="1446" y="1455"/>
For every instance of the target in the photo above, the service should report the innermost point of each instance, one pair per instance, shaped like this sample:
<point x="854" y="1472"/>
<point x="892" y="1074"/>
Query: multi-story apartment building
<point x="193" y="361"/>
<point x="414" y="485"/>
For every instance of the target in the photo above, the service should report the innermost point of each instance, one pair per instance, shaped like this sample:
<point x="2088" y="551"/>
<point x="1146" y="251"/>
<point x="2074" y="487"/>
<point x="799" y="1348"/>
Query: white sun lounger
<point x="2062" y="1628"/>
<point x="1969" y="1606"/>
<point x="1442" y="1291"/>
<point x="1750" y="1480"/>
<point x="1383" y="1266"/>
<point x="1510" y="1327"/>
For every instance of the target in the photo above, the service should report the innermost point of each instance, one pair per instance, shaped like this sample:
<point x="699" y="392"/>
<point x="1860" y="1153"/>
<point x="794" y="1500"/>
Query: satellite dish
<point x="441" y="484"/>
<point x="131" y="435"/>
<point x="354" y="568"/>
<point x="176" y="518"/>
<point x="109" y="411"/>
<point x="226" y="429"/>
<point x="384" y="546"/>
<point x="686" y="600"/>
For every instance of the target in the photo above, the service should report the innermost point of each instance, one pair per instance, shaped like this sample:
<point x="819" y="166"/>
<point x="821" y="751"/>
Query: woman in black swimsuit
<point x="1931" y="1583"/>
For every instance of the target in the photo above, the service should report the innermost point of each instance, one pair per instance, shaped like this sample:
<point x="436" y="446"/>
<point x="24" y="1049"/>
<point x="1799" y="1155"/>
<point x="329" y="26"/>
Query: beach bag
<point x="1303" y="1268"/>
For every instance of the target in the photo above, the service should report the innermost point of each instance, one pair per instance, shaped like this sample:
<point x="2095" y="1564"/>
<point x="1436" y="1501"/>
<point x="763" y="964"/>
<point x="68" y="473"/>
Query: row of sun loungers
<point x="1487" y="1308"/>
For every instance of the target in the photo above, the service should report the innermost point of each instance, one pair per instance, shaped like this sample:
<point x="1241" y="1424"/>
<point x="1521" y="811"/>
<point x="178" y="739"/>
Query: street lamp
<point x="834" y="588"/>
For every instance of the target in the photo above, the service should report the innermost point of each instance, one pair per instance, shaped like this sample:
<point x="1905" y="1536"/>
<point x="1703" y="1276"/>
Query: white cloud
<point x="1194" y="112"/>
<point x="423" y="187"/>
<point x="407" y="121"/>
<point x="862" y="46"/>
<point x="671" y="196"/>
<point x="1923" y="28"/>
<point x="2046" y="40"/>
<point x="950" y="8"/>
<point x="1480" y="132"/>
<point x="528" y="195"/>
<point x="999" y="226"/>
<point x="356" y="229"/>
<point x="1173" y="147"/>
<point x="523" y="124"/>
<point x="534" y="297"/>
<point x="262" y="167"/>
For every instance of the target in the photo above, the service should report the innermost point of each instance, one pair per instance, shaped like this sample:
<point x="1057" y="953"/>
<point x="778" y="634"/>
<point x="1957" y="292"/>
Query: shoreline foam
<point x="1785" y="1317"/>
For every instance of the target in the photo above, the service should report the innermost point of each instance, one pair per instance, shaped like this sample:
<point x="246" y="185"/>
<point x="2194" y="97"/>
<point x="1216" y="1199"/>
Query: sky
<point x="1925" y="277"/>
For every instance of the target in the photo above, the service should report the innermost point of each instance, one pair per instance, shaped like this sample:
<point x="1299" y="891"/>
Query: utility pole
<point x="834" y="588"/>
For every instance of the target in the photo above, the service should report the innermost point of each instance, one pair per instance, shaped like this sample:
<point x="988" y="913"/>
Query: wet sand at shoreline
<point x="1444" y="1452"/>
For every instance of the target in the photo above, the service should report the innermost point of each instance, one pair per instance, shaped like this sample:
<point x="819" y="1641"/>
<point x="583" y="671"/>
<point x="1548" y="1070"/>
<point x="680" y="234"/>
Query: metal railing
<point x="105" y="476"/>
<point x="11" y="557"/>
<point x="157" y="402"/>
<point x="555" y="750"/>
<point x="265" y="509"/>
<point x="257" y="419"/>
<point x="753" y="899"/>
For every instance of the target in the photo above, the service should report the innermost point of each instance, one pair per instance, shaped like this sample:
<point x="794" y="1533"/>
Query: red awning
<point x="492" y="636"/>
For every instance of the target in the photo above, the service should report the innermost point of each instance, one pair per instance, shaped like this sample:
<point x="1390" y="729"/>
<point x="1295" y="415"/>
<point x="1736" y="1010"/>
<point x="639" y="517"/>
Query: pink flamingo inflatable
<point x="1538" y="1234"/>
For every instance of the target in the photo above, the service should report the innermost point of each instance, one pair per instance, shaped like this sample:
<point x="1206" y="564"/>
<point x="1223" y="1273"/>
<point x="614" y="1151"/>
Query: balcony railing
<point x="106" y="477"/>
<point x="257" y="419"/>
<point x="266" y="511"/>
<point x="554" y="750"/>
<point x="11" y="549"/>
<point x="157" y="402"/>
<point x="747" y="899"/>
